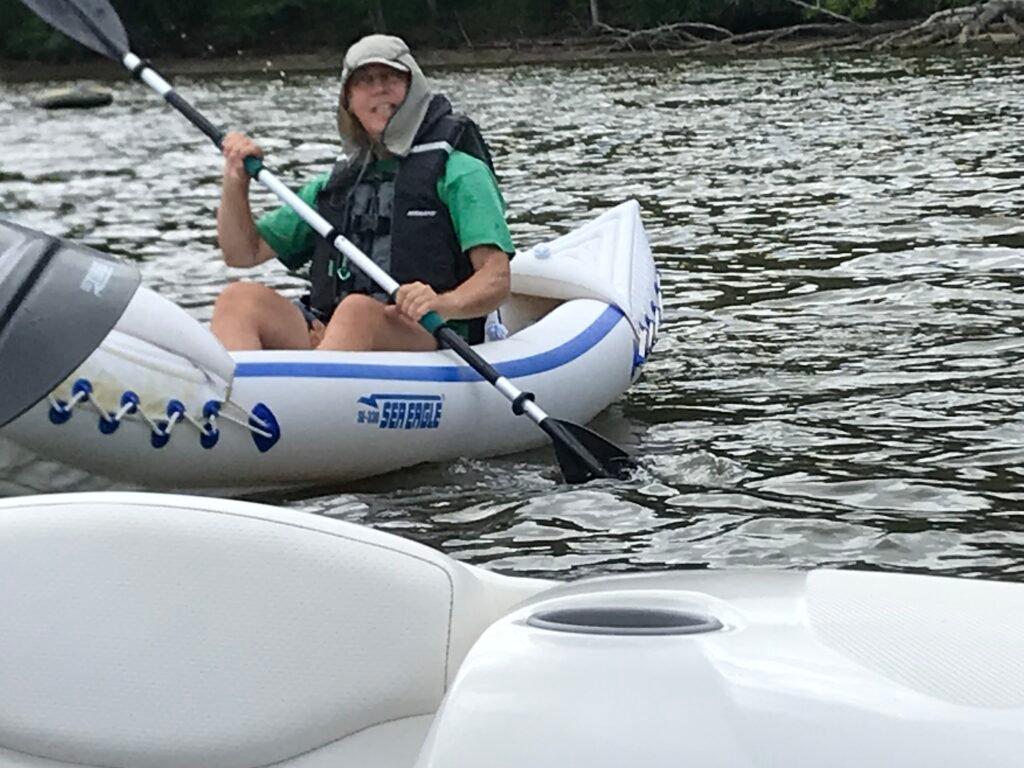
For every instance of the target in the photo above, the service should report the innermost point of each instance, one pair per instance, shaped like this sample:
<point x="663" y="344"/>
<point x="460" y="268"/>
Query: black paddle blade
<point x="93" y="23"/>
<point x="584" y="455"/>
<point x="58" y="301"/>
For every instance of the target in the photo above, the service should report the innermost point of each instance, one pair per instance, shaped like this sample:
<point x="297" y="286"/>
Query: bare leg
<point x="361" y="323"/>
<point x="253" y="316"/>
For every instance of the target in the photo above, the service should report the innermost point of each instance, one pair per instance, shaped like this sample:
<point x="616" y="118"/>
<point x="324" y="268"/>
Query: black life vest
<point x="396" y="217"/>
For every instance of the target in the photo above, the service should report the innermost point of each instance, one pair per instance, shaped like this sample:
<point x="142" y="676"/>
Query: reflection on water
<point x="839" y="379"/>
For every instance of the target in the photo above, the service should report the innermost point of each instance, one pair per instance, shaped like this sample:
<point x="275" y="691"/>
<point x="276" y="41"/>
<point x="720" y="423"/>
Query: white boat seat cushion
<point x="175" y="632"/>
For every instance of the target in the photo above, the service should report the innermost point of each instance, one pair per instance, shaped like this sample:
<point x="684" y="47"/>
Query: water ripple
<point x="838" y="380"/>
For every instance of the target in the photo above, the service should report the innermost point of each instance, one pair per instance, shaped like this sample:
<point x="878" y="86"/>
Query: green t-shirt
<point x="468" y="189"/>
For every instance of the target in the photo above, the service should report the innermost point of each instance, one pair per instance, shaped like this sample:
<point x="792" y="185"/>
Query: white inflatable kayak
<point x="174" y="632"/>
<point x="159" y="404"/>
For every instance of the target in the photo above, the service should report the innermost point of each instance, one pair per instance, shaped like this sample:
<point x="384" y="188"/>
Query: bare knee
<point x="243" y="296"/>
<point x="253" y="316"/>
<point x="357" y="307"/>
<point x="361" y="323"/>
<point x="354" y="325"/>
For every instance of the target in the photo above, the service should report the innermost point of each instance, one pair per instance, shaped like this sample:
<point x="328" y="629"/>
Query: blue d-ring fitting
<point x="209" y="436"/>
<point x="266" y="421"/>
<point x="108" y="425"/>
<point x="160" y="435"/>
<point x="59" y="412"/>
<point x="82" y="387"/>
<point x="131" y="400"/>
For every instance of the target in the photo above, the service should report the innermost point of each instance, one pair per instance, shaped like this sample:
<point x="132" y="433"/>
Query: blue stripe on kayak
<point x="526" y="366"/>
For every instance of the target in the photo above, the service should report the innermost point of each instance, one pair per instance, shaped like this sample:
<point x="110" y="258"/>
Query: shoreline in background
<point x="545" y="52"/>
<point x="267" y="63"/>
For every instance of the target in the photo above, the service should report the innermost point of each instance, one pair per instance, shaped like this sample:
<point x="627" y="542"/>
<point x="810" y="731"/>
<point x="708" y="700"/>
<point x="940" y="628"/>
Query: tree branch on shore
<point x="1015" y="26"/>
<point x="825" y="11"/>
<point x="679" y="35"/>
<point x="992" y="21"/>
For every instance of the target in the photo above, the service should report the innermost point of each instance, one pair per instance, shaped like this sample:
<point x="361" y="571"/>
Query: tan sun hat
<point x="375" y="49"/>
<point x="393" y="52"/>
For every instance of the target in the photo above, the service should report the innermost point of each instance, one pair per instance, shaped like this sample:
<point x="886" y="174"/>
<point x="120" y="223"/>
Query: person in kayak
<point x="415" y="191"/>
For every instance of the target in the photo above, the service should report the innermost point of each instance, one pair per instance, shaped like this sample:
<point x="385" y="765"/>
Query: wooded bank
<point x="999" y="22"/>
<point x="224" y="28"/>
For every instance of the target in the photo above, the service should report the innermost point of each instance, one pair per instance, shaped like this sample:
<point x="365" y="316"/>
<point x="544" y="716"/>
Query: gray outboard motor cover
<point x="58" y="301"/>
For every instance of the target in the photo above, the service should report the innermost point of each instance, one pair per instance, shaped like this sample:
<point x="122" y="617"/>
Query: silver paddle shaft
<point x="323" y="227"/>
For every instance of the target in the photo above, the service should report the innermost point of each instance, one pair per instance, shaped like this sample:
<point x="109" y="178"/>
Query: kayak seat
<point x="151" y="631"/>
<point x="521" y="311"/>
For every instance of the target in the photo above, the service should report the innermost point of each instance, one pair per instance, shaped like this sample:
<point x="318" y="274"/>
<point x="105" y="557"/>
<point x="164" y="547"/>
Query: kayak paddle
<point x="582" y="454"/>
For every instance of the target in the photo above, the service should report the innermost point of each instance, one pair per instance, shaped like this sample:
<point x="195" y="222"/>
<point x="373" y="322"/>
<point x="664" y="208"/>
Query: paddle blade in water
<point x="584" y="455"/>
<point x="58" y="301"/>
<point x="93" y="23"/>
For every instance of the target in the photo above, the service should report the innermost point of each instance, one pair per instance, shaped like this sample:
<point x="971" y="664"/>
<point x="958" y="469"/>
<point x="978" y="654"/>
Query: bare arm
<point x="486" y="288"/>
<point x="483" y="291"/>
<point x="239" y="239"/>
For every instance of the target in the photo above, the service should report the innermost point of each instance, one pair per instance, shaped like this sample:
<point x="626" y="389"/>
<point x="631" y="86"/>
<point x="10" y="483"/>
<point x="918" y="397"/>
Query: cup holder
<point x="622" y="620"/>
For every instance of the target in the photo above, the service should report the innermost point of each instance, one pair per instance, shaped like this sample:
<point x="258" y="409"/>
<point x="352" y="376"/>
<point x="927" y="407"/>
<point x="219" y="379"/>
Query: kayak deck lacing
<point x="648" y="328"/>
<point x="260" y="422"/>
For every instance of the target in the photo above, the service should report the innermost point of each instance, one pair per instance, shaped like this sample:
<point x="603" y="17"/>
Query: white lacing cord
<point x="75" y="400"/>
<point x="132" y="409"/>
<point x="247" y="422"/>
<point x="210" y="423"/>
<point x="124" y="410"/>
<point x="171" y="421"/>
